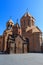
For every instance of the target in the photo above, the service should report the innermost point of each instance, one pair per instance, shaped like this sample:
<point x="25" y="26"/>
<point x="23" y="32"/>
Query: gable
<point x="36" y="29"/>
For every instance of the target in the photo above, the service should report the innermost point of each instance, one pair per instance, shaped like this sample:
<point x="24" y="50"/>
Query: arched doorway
<point x="26" y="46"/>
<point x="27" y="41"/>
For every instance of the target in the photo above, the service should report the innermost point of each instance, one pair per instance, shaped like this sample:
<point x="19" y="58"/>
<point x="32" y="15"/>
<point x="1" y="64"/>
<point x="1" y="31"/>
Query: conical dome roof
<point x="10" y="22"/>
<point x="27" y="14"/>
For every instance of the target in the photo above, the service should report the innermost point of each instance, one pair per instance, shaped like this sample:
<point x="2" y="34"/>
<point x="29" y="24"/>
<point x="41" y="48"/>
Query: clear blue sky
<point x="17" y="8"/>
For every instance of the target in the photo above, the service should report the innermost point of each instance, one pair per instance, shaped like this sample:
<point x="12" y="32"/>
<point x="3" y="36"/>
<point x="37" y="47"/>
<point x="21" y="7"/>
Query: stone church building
<point x="23" y="38"/>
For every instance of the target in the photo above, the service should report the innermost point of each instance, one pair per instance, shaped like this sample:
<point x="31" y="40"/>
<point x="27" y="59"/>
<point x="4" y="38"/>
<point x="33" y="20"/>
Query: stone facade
<point x="22" y="38"/>
<point x="1" y="43"/>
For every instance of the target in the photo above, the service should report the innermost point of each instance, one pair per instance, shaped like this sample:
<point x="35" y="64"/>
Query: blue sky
<point x="17" y="8"/>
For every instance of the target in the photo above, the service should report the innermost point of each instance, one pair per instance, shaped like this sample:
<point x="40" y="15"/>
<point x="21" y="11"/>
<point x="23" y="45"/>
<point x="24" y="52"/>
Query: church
<point x="23" y="38"/>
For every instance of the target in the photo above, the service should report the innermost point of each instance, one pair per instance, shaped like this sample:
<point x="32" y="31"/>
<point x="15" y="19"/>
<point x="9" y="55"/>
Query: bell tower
<point x="9" y="24"/>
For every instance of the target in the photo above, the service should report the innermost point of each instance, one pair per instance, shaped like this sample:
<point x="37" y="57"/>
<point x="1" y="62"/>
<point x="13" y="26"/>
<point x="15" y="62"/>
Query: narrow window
<point x="28" y="22"/>
<point x="24" y="22"/>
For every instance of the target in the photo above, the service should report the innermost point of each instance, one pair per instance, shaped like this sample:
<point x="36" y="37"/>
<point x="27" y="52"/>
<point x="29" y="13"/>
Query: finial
<point x="27" y="10"/>
<point x="17" y="20"/>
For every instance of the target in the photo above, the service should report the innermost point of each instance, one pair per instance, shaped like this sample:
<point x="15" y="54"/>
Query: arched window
<point x="24" y="23"/>
<point x="9" y="26"/>
<point x="28" y="22"/>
